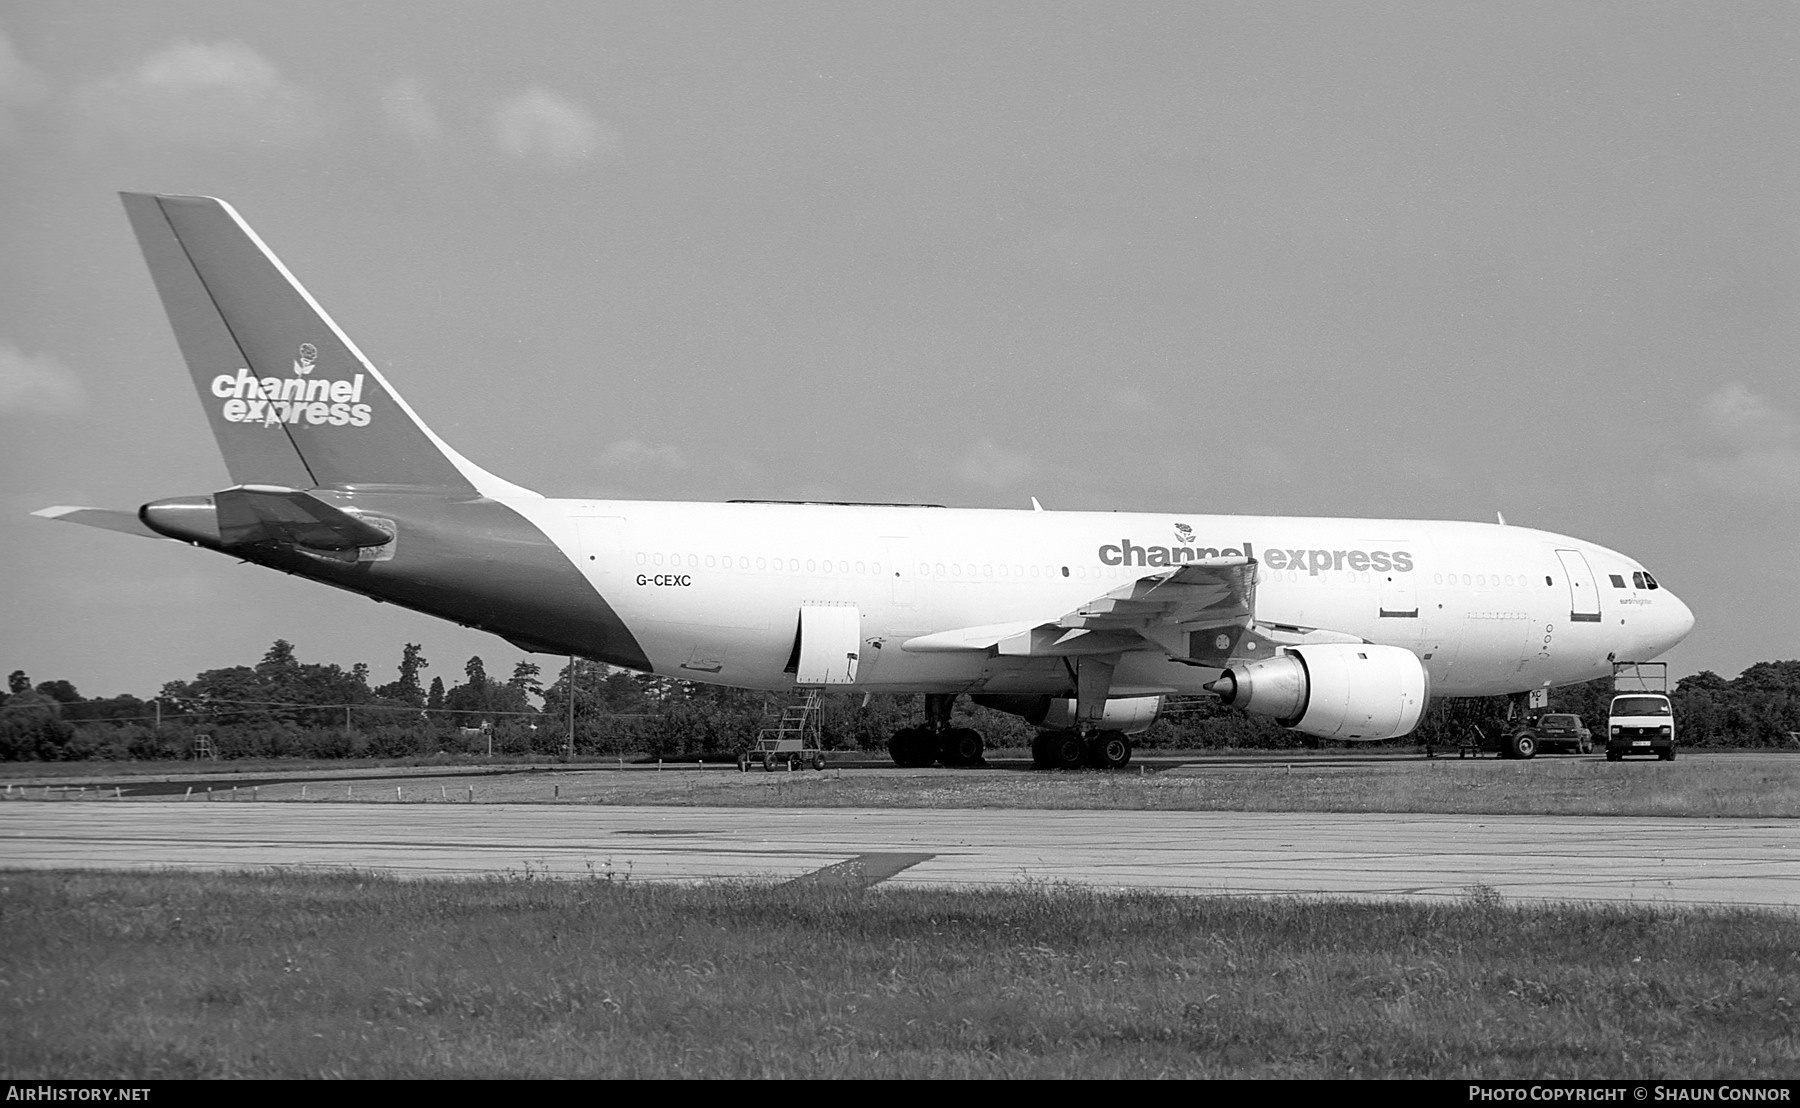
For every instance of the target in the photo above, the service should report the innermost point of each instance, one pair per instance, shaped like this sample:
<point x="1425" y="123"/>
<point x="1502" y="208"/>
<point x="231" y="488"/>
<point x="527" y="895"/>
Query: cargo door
<point x="830" y="643"/>
<point x="1584" y="595"/>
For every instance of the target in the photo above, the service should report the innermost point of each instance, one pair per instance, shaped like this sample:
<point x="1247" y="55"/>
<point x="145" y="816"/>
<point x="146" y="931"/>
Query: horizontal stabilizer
<point x="108" y="518"/>
<point x="266" y="513"/>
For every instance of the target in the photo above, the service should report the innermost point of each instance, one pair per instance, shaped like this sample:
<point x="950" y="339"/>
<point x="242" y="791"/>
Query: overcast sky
<point x="1434" y="260"/>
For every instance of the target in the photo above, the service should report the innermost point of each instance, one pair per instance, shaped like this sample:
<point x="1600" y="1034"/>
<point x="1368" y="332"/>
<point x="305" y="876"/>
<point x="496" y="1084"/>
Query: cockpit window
<point x="1652" y="581"/>
<point x="1618" y="582"/>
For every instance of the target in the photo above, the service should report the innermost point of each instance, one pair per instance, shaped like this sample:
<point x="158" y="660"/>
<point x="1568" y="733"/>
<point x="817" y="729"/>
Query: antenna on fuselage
<point x="1035" y="506"/>
<point x="1501" y="517"/>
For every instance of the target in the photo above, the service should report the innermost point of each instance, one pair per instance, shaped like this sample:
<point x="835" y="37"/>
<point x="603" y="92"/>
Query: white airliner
<point x="1078" y="621"/>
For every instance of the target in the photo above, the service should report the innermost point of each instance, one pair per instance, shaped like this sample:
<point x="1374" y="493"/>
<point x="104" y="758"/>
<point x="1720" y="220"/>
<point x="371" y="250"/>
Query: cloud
<point x="409" y="111"/>
<point x="539" y="124"/>
<point x="36" y="386"/>
<point x="20" y="87"/>
<point x="993" y="467"/>
<point x="636" y="454"/>
<point x="192" y="92"/>
<point x="1755" y="451"/>
<point x="1737" y="415"/>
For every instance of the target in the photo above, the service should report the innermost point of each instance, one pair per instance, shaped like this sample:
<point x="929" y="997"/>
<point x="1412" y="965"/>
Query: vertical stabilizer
<point x="290" y="398"/>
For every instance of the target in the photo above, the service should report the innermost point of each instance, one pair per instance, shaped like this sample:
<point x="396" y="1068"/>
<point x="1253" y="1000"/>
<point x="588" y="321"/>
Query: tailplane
<point x="291" y="400"/>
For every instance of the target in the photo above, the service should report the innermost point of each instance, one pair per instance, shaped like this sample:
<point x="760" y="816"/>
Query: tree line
<point x="282" y="707"/>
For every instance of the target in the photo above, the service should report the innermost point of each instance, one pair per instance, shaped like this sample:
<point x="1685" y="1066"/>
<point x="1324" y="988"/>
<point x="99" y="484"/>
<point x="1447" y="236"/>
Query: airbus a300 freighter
<point x="1081" y="622"/>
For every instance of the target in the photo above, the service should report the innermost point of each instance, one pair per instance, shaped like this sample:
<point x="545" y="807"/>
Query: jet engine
<point x="1130" y="714"/>
<point x="1334" y="690"/>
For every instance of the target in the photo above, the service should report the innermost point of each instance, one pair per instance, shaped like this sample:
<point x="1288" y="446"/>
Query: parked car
<point x="1558" y="729"/>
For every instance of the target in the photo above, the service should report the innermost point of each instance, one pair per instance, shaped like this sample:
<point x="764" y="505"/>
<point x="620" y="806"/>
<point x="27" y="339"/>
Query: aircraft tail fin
<point x="291" y="400"/>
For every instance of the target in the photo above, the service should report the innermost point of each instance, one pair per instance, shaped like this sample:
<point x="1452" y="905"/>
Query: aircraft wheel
<point x="1067" y="751"/>
<point x="819" y="761"/>
<point x="912" y="747"/>
<point x="1112" y="751"/>
<point x="960" y="746"/>
<point x="1522" y="744"/>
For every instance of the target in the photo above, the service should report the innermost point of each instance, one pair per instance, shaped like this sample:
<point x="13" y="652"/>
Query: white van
<point x="1640" y="723"/>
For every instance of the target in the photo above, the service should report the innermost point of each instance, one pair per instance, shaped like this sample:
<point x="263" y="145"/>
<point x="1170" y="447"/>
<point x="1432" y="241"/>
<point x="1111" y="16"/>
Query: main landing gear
<point x="937" y="741"/>
<point x="1073" y="750"/>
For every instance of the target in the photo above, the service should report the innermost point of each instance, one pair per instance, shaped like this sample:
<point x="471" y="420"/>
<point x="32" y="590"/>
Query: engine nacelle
<point x="1333" y="690"/>
<point x="1130" y="714"/>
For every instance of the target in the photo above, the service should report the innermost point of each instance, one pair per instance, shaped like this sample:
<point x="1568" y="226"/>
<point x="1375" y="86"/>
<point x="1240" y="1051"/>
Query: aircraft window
<point x="657" y="558"/>
<point x="709" y="561"/>
<point x="1466" y="580"/>
<point x="1618" y="582"/>
<point x="860" y="569"/>
<point x="694" y="561"/>
<point x="875" y="567"/>
<point x="811" y="565"/>
<point x="987" y="571"/>
<point x="793" y="565"/>
<point x="1652" y="581"/>
<point x="843" y="567"/>
<point x="1547" y="580"/>
<point x="971" y="571"/>
<point x="1637" y="579"/>
<point x="1481" y="579"/>
<point x="955" y="569"/>
<point x="940" y="569"/>
<point x="1065" y="571"/>
<point x="642" y="557"/>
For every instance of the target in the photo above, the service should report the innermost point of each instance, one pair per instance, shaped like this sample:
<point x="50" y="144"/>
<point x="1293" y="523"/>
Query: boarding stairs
<point x="796" y="738"/>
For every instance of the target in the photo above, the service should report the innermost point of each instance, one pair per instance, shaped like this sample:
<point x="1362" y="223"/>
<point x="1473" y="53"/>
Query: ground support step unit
<point x="794" y="741"/>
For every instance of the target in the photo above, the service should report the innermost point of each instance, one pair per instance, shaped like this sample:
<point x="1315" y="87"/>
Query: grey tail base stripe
<point x="864" y="870"/>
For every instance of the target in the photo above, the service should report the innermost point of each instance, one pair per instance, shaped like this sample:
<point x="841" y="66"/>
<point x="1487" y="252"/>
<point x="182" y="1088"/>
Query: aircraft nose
<point x="1679" y="619"/>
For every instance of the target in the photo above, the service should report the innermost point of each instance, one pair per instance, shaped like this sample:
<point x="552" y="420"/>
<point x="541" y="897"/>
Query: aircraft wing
<point x="108" y="518"/>
<point x="1201" y="613"/>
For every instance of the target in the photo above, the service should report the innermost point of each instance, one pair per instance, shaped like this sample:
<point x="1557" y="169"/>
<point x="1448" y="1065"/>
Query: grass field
<point x="1704" y="786"/>
<point x="177" y="975"/>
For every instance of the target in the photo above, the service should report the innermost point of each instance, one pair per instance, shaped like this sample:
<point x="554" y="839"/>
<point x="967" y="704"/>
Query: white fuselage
<point x="711" y="591"/>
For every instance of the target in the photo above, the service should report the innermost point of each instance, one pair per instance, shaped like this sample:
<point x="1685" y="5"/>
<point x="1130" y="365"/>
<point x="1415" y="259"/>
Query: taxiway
<point x="1744" y="862"/>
